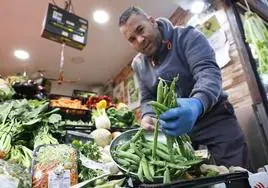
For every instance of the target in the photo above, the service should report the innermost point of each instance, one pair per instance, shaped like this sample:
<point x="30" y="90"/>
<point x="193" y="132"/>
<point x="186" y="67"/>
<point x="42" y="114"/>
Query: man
<point x="205" y="113"/>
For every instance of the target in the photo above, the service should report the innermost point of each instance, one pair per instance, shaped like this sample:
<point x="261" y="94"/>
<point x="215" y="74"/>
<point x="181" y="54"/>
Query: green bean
<point x="166" y="177"/>
<point x="140" y="173"/>
<point x="128" y="155"/>
<point x="145" y="169"/>
<point x="160" y="91"/>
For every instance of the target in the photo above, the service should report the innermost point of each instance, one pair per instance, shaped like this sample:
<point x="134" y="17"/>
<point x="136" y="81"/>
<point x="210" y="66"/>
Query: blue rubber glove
<point x="180" y="120"/>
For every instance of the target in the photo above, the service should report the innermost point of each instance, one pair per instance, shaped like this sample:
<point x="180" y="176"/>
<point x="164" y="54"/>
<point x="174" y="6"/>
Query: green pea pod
<point x="136" y="137"/>
<point x="124" y="147"/>
<point x="160" y="91"/>
<point x="123" y="162"/>
<point x="192" y="162"/>
<point x="166" y="177"/>
<point x="131" y="156"/>
<point x="163" y="155"/>
<point x="154" y="148"/>
<point x="170" y="165"/>
<point x="136" y="150"/>
<point x="151" y="168"/>
<point x="159" y="106"/>
<point x="140" y="173"/>
<point x="132" y="162"/>
<point x="145" y="169"/>
<point x="170" y="143"/>
<point x="133" y="168"/>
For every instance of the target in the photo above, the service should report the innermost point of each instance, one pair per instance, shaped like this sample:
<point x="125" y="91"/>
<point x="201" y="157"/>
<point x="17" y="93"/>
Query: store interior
<point x="70" y="100"/>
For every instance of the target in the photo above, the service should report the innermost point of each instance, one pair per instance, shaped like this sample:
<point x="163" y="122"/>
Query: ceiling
<point x="106" y="53"/>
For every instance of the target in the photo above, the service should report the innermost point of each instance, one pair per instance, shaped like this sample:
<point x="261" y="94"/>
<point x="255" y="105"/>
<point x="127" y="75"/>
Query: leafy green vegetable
<point x="88" y="149"/>
<point x="6" y="92"/>
<point x="54" y="118"/>
<point x="91" y="151"/>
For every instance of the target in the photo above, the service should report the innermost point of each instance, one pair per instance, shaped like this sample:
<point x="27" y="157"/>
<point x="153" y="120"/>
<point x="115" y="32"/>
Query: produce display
<point x="44" y="137"/>
<point x="256" y="33"/>
<point x="84" y="94"/>
<point x="99" y="115"/>
<point x="6" y="92"/>
<point x="102" y="137"/>
<point x="52" y="162"/>
<point x="91" y="151"/>
<point x="13" y="175"/>
<point x="93" y="100"/>
<point x="121" y="118"/>
<point x="24" y="125"/>
<point x="79" y="122"/>
<point x="68" y="103"/>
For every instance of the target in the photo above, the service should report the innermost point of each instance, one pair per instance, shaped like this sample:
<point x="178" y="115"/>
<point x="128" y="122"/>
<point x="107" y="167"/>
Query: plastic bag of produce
<point x="54" y="166"/>
<point x="14" y="176"/>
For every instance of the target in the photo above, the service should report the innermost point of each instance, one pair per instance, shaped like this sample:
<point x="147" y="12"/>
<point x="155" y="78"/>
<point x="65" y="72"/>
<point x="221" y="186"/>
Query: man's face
<point x="142" y="33"/>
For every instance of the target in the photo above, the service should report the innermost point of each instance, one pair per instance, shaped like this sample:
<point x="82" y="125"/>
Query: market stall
<point x="57" y="130"/>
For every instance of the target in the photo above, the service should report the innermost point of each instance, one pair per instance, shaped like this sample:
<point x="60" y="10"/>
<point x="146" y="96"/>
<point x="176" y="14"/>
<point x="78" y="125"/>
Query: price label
<point x="59" y="179"/>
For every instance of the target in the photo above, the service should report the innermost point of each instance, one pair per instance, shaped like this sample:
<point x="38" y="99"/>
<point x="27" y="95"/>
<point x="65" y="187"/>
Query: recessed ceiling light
<point x="21" y="54"/>
<point x="100" y="16"/>
<point x="198" y="7"/>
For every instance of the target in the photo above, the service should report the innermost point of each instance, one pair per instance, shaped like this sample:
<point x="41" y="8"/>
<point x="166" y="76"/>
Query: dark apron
<point x="220" y="132"/>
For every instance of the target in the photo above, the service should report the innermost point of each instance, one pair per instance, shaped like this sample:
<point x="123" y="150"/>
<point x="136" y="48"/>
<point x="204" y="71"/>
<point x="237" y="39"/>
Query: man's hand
<point x="180" y="120"/>
<point x="148" y="122"/>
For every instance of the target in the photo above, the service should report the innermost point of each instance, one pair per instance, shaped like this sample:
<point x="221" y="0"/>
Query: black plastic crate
<point x="77" y="135"/>
<point x="231" y="180"/>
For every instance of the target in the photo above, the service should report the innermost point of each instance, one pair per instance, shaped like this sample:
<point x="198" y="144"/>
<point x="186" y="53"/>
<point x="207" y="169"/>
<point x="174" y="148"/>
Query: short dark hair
<point x="130" y="11"/>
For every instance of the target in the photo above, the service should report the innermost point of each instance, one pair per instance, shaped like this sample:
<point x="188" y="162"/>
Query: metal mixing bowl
<point x="125" y="137"/>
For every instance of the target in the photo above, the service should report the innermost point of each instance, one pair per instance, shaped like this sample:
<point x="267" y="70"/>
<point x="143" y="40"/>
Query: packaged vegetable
<point x="54" y="165"/>
<point x="14" y="175"/>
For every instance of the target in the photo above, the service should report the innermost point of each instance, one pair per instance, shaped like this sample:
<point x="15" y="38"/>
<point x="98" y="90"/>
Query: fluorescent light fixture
<point x="198" y="7"/>
<point x="100" y="16"/>
<point x="21" y="54"/>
